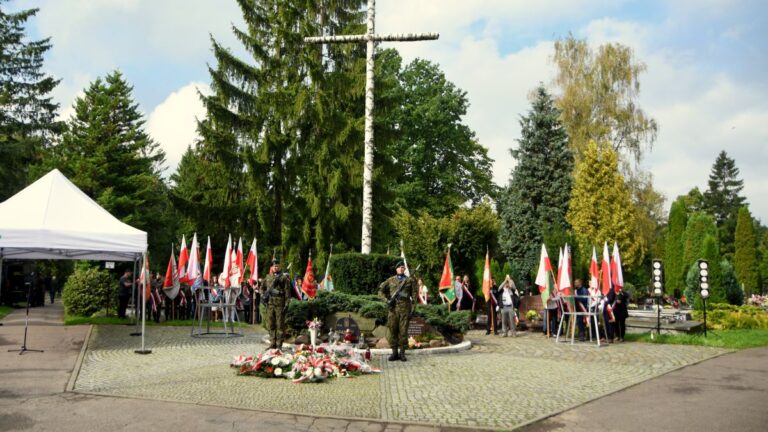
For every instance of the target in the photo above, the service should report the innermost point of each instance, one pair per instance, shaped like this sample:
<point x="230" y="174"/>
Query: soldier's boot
<point x="394" y="355"/>
<point x="402" y="354"/>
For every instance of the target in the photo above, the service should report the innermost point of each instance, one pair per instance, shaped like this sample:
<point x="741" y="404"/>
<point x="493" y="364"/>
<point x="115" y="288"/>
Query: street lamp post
<point x="704" y="287"/>
<point x="657" y="278"/>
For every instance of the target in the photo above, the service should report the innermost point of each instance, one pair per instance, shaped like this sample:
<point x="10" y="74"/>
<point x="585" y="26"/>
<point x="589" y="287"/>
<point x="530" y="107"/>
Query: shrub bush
<point x="87" y="291"/>
<point x="356" y="273"/>
<point x="326" y="303"/>
<point x="729" y="317"/>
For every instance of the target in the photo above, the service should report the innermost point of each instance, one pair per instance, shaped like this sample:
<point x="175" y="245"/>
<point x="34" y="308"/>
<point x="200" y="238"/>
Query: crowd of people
<point x="502" y="309"/>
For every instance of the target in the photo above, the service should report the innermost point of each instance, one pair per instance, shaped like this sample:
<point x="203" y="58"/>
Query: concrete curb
<point x="79" y="362"/>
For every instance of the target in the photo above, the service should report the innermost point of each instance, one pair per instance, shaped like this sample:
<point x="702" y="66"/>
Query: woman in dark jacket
<point x="621" y="313"/>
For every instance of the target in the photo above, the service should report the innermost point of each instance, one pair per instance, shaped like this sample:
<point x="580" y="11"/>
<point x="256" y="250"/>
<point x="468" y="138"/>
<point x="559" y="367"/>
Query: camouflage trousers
<point x="397" y="323"/>
<point x="275" y="322"/>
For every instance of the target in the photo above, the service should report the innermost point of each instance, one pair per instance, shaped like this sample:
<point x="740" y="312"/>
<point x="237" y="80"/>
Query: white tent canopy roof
<point x="53" y="219"/>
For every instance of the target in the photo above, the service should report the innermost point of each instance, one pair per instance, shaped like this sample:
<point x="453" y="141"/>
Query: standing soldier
<point x="399" y="291"/>
<point x="277" y="291"/>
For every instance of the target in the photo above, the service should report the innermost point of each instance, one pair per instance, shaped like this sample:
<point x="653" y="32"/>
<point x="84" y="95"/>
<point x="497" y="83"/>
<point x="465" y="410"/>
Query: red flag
<point x="170" y="272"/>
<point x="617" y="273"/>
<point x="252" y="262"/>
<point x="239" y="260"/>
<point x="487" y="278"/>
<point x="564" y="277"/>
<point x="605" y="270"/>
<point x="227" y="263"/>
<point x="308" y="285"/>
<point x="208" y="262"/>
<point x="193" y="266"/>
<point x="183" y="258"/>
<point x="594" y="274"/>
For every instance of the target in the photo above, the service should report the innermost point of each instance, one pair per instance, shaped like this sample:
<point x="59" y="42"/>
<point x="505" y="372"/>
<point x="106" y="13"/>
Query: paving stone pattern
<point x="499" y="383"/>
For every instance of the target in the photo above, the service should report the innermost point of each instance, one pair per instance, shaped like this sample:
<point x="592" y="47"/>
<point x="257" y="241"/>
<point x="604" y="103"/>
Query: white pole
<point x="145" y="274"/>
<point x="1" y="272"/>
<point x="368" y="164"/>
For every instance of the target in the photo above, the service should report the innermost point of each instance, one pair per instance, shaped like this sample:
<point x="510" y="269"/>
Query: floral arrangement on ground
<point x="305" y="364"/>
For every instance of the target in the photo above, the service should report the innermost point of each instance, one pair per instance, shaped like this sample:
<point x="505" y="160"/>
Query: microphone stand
<point x="24" y="348"/>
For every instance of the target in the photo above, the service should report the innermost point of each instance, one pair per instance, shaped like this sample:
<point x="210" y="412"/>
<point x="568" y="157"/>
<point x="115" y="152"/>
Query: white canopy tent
<point x="53" y="219"/>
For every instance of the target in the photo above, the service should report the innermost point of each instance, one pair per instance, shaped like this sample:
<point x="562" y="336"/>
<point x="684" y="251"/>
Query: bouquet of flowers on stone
<point x="305" y="364"/>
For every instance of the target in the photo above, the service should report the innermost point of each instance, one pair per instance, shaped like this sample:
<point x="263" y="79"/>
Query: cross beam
<point x="369" y="38"/>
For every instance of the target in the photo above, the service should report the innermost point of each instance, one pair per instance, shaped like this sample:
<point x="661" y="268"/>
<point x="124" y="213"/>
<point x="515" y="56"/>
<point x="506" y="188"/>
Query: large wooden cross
<point x="370" y="38"/>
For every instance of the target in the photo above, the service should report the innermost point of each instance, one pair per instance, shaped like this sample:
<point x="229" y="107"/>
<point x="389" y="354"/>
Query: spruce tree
<point x="286" y="113"/>
<point x="27" y="111"/>
<point x="601" y="207"/>
<point x="745" y="257"/>
<point x="539" y="189"/>
<point x="108" y="155"/>
<point x="722" y="199"/>
<point x="674" y="265"/>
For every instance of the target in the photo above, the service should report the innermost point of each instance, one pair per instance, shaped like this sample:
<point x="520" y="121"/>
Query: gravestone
<point x="342" y="324"/>
<point x="418" y="327"/>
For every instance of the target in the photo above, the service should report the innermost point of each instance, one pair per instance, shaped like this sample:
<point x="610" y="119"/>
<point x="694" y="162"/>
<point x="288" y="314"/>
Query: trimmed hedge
<point x="728" y="317"/>
<point x="356" y="273"/>
<point x="87" y="291"/>
<point x="369" y="306"/>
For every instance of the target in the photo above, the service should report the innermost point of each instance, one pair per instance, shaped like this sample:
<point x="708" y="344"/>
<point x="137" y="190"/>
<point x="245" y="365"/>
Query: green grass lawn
<point x="731" y="339"/>
<point x="5" y="310"/>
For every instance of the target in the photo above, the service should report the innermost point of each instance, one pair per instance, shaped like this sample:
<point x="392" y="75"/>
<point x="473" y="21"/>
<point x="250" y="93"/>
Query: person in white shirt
<point x="507" y="304"/>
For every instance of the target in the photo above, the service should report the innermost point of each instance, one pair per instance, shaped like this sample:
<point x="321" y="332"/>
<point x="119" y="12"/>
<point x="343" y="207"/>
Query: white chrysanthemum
<point x="318" y="372"/>
<point x="278" y="371"/>
<point x="275" y="361"/>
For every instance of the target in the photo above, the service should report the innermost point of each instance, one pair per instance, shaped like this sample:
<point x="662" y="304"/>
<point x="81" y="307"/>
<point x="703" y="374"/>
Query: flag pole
<point x="144" y="271"/>
<point x="135" y="300"/>
<point x="493" y="309"/>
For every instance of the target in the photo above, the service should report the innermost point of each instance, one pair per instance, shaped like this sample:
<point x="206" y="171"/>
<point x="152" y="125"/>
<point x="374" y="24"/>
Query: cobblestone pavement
<point x="500" y="383"/>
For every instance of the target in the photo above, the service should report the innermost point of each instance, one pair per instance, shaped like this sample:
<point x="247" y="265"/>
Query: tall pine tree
<point x="745" y="257"/>
<point x="108" y="155"/>
<point x="601" y="206"/>
<point x="722" y="199"/>
<point x="27" y="111"/>
<point x="675" y="267"/>
<point x="539" y="190"/>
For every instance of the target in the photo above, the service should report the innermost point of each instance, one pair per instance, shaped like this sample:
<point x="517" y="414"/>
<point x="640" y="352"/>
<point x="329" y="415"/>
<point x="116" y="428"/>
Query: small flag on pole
<point x="446" y="288"/>
<point x="544" y="276"/>
<point x="617" y="273"/>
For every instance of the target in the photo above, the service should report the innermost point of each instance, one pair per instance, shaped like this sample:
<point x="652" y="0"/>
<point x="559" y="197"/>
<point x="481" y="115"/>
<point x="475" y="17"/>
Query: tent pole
<point x="1" y="272"/>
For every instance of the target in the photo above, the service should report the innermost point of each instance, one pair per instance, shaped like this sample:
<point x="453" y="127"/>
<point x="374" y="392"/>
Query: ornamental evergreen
<point x="674" y="265"/>
<point x="601" y="206"/>
<point x="539" y="189"/>
<point x="745" y="258"/>
<point x="699" y="226"/>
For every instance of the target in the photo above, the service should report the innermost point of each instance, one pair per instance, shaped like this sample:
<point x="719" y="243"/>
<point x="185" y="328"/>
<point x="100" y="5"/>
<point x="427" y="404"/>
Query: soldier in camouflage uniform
<point x="276" y="293"/>
<point x="399" y="315"/>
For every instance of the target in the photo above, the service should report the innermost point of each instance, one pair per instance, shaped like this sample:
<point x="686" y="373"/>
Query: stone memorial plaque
<point x="417" y="327"/>
<point x="342" y="324"/>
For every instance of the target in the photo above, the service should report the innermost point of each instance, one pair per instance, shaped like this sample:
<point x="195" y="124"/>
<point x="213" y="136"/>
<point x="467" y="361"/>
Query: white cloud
<point x="173" y="122"/>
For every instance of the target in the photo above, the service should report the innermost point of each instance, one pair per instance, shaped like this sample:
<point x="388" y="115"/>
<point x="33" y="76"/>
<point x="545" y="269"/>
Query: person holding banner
<point x="277" y="292"/>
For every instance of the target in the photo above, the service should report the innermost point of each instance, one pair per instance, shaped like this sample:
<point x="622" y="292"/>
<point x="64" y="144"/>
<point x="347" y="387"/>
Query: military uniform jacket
<point x="277" y="287"/>
<point x="389" y="287"/>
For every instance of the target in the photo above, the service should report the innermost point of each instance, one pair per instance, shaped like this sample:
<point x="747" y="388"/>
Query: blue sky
<point x="705" y="83"/>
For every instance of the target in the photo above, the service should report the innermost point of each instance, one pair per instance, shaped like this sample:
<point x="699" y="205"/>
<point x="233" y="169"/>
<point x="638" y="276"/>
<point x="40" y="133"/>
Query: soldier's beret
<point x="400" y="264"/>
<point x="275" y="261"/>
